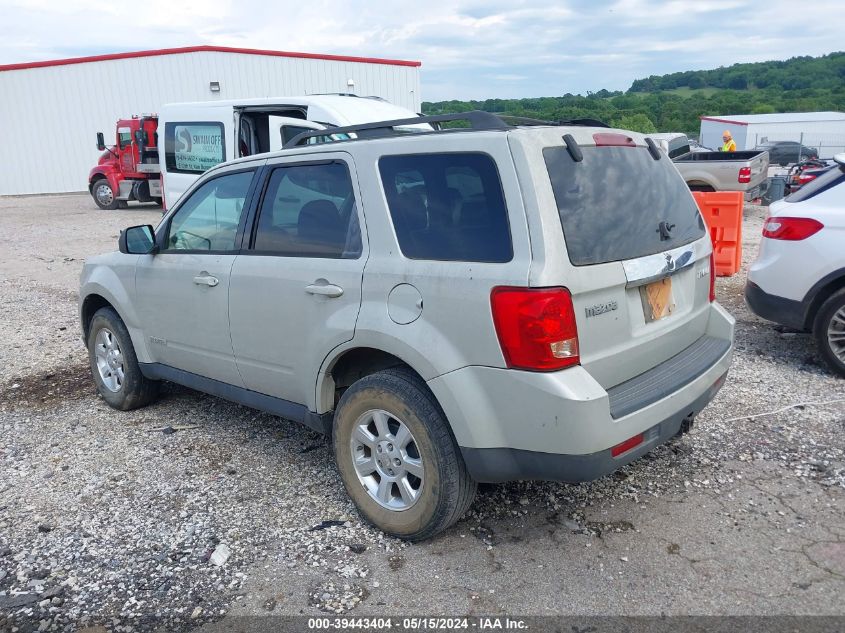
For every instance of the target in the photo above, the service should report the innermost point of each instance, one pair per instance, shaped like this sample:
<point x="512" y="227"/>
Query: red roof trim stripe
<point x="203" y="49"/>
<point x="712" y="118"/>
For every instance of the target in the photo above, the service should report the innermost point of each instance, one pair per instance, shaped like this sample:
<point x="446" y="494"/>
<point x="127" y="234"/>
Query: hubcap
<point x="836" y="334"/>
<point x="104" y="194"/>
<point x="387" y="460"/>
<point x="109" y="360"/>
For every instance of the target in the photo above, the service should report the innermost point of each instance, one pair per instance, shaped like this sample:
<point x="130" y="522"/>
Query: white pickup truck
<point x="745" y="171"/>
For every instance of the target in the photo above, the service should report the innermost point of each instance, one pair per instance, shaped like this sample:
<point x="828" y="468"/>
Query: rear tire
<point x="114" y="365"/>
<point x="829" y="330"/>
<point x="397" y="457"/>
<point x="103" y="194"/>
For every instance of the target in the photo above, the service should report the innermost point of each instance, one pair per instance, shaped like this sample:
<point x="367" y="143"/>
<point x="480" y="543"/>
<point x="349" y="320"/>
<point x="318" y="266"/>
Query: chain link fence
<point x="795" y="147"/>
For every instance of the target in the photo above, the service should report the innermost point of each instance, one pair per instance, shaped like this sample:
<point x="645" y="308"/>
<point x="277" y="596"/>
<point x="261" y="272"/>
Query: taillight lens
<point x="791" y="229"/>
<point x="803" y="179"/>
<point x="744" y="175"/>
<point x="627" y="445"/>
<point x="536" y="327"/>
<point x="712" y="277"/>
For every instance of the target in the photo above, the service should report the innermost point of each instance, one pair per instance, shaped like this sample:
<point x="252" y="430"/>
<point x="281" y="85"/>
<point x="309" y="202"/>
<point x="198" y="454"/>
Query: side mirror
<point x="101" y="142"/>
<point x="137" y="240"/>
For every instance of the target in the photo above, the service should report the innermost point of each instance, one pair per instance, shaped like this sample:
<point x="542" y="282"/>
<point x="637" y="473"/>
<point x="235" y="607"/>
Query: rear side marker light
<point x="627" y="445"/>
<point x="536" y="327"/>
<point x="609" y="139"/>
<point x="744" y="175"/>
<point x="791" y="229"/>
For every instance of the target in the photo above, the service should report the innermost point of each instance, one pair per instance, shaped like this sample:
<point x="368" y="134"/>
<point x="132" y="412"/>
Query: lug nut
<point x="396" y="462"/>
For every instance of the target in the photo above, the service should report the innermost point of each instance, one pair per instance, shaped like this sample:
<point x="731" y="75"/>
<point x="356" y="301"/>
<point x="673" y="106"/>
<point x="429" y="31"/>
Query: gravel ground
<point x="195" y="512"/>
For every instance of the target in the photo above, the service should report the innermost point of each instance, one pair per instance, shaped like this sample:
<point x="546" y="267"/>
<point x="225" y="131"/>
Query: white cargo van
<point x="198" y="136"/>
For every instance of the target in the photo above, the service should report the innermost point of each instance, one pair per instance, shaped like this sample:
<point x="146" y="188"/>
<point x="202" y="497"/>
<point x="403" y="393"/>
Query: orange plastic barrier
<point x="722" y="211"/>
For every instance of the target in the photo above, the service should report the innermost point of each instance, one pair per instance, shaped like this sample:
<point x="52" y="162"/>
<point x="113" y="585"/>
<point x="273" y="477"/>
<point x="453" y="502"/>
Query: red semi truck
<point x="129" y="169"/>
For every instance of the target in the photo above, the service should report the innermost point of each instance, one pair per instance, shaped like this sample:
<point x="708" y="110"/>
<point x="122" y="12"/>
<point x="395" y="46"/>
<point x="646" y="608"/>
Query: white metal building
<point x="822" y="130"/>
<point x="51" y="111"/>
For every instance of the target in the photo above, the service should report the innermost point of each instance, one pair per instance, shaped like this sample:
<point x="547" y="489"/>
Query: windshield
<point x="619" y="203"/>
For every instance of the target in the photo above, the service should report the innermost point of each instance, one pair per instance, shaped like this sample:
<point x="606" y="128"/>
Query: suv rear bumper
<point x="513" y="425"/>
<point x="495" y="465"/>
<point x="773" y="308"/>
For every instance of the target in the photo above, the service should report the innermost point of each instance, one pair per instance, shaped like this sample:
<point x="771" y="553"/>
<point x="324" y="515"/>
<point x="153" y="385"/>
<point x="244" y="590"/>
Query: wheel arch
<point x="347" y="365"/>
<point x="820" y="292"/>
<point x="89" y="307"/>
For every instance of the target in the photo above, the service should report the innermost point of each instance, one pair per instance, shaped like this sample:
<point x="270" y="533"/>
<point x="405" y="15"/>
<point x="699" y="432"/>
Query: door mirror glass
<point x="101" y="142"/>
<point x="137" y="240"/>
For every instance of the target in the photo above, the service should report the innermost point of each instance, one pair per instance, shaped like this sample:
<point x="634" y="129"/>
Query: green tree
<point x="635" y="122"/>
<point x="762" y="108"/>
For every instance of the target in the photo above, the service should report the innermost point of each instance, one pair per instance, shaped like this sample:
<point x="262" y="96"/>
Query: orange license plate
<point x="657" y="299"/>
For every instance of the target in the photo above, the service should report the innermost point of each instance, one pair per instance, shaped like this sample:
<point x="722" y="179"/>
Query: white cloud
<point x="469" y="48"/>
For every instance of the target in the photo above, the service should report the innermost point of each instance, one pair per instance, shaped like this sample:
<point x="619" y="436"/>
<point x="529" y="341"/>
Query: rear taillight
<point x="712" y="277"/>
<point x="536" y="327"/>
<point x="803" y="179"/>
<point x="791" y="229"/>
<point x="744" y="175"/>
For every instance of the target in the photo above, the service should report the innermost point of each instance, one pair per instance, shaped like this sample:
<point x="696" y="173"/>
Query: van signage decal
<point x="198" y="147"/>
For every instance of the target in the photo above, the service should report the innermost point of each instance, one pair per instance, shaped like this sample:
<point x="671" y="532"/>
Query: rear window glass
<point x="612" y="204"/>
<point x="678" y="147"/>
<point x="447" y="207"/>
<point x="822" y="183"/>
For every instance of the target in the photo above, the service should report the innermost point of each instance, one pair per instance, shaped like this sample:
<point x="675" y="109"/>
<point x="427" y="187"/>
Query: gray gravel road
<point x="111" y="518"/>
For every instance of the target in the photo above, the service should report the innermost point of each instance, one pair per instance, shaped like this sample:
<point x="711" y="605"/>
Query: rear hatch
<point x="638" y="256"/>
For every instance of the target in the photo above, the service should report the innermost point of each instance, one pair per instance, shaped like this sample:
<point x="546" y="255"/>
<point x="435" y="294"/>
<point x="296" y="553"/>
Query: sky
<point x="469" y="49"/>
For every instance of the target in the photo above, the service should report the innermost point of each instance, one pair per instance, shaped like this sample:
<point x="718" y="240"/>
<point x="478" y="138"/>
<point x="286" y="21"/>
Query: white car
<point x="798" y="278"/>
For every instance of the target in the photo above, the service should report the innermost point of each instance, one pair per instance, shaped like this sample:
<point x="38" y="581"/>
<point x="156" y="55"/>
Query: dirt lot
<point x="106" y="518"/>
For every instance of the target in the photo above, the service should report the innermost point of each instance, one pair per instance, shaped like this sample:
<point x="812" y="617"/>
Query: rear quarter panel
<point x="455" y="327"/>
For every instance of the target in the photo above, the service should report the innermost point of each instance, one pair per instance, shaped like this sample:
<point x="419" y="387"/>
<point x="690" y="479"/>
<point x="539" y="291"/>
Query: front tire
<point x="829" y="330"/>
<point x="114" y="365"/>
<point x="397" y="457"/>
<point x="103" y="194"/>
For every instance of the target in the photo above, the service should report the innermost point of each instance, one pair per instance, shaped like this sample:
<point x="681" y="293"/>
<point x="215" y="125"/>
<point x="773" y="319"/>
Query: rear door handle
<point x="324" y="289"/>
<point x="206" y="280"/>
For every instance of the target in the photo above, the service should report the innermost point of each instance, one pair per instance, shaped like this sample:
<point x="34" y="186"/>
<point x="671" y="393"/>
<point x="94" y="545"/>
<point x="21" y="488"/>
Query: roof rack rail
<point x="478" y="120"/>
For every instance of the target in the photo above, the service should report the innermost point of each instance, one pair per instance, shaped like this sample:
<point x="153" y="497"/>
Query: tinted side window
<point x="193" y="147"/>
<point x="679" y="147"/>
<point x="447" y="207"/>
<point x="309" y="211"/>
<point x="124" y="136"/>
<point x="209" y="218"/>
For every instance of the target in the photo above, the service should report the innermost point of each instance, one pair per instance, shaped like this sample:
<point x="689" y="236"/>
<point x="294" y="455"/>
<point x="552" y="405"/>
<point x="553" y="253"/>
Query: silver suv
<point x="451" y="306"/>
